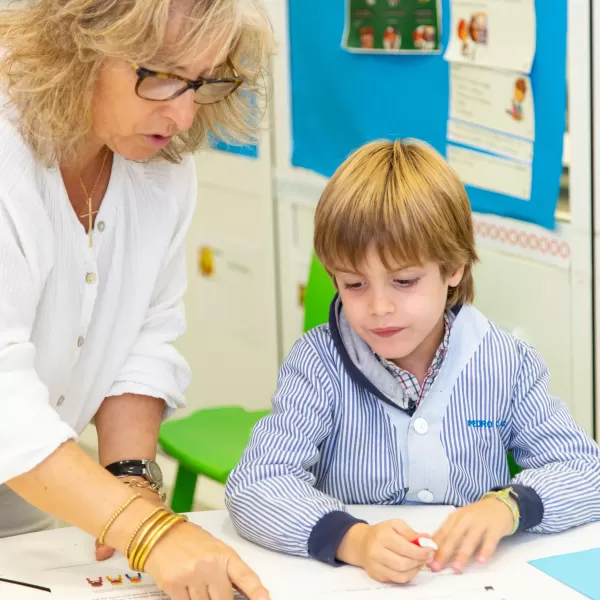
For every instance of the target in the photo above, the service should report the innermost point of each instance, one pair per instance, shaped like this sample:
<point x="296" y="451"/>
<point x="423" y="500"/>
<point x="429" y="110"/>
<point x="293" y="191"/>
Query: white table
<point x="508" y="569"/>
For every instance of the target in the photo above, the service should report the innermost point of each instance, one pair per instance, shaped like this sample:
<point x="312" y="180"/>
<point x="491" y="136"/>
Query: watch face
<point x="154" y="472"/>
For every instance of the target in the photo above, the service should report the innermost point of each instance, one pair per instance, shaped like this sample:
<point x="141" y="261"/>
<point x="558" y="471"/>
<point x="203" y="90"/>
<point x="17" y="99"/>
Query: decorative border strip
<point x="522" y="239"/>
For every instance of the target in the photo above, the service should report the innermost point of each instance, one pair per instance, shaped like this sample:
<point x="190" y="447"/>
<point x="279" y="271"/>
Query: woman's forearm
<point x="72" y="487"/>
<point x="128" y="427"/>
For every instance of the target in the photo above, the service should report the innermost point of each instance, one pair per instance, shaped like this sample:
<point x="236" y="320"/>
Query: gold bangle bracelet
<point x="140" y="558"/>
<point x="140" y="541"/>
<point x="157" y="536"/>
<point x="137" y="529"/>
<point x="116" y="514"/>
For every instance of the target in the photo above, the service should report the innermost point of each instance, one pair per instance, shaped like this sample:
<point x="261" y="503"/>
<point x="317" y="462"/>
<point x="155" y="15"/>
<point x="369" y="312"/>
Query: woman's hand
<point x="384" y="551"/>
<point x="476" y="528"/>
<point x="187" y="562"/>
<point x="190" y="564"/>
<point x="103" y="551"/>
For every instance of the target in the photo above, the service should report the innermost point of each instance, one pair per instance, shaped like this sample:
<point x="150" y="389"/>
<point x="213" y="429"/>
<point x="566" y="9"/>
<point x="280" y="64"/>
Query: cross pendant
<point x="90" y="216"/>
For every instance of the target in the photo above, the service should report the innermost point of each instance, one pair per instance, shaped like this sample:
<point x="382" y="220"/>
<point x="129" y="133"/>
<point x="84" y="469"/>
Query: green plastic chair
<point x="209" y="442"/>
<point x="319" y="293"/>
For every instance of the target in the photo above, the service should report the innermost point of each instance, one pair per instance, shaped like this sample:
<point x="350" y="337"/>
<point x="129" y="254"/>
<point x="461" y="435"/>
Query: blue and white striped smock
<point x="333" y="441"/>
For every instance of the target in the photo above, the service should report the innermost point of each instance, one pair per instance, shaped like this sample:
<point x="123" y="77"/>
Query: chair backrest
<point x="319" y="293"/>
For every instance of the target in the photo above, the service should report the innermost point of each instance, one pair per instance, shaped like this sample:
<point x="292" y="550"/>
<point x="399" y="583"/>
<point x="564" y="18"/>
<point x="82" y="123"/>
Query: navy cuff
<point x="327" y="535"/>
<point x="531" y="508"/>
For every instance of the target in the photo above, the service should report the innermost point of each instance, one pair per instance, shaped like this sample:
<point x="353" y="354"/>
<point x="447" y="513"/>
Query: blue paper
<point x="341" y="100"/>
<point x="247" y="151"/>
<point x="579" y="571"/>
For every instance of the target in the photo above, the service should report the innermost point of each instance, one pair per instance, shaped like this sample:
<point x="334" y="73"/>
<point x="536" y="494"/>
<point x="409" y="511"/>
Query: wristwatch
<point x="148" y="469"/>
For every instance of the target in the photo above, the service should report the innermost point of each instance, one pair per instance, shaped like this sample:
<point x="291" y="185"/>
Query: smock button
<point x="425" y="496"/>
<point x="421" y="426"/>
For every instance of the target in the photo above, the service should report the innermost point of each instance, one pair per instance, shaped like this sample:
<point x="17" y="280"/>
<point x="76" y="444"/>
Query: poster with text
<point x="498" y="100"/>
<point x="392" y="26"/>
<point x="493" y="33"/>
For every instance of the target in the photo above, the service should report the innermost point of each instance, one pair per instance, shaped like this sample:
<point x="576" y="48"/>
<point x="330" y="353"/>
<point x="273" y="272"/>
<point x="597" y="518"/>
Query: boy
<point x="409" y="394"/>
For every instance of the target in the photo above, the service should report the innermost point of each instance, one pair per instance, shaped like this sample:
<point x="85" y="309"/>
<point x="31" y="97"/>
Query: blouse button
<point x="90" y="278"/>
<point x="60" y="401"/>
<point x="100" y="226"/>
<point x="80" y="341"/>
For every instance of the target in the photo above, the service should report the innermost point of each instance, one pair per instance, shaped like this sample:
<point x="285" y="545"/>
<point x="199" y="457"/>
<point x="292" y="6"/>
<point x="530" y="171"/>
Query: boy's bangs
<point x="398" y="238"/>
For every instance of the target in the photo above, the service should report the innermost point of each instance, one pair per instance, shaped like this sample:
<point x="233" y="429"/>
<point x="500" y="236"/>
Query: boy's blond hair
<point x="402" y="198"/>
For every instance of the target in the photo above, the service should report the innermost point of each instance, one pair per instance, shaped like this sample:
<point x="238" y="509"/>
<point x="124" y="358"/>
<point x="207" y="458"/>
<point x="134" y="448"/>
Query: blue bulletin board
<point x="342" y="100"/>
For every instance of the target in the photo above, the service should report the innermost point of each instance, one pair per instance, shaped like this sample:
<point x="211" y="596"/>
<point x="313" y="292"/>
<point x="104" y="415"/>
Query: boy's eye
<point x="406" y="282"/>
<point x="353" y="286"/>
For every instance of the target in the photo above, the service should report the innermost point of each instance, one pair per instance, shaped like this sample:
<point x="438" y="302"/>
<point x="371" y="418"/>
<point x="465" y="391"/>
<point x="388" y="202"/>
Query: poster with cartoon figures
<point x="498" y="100"/>
<point x="392" y="26"/>
<point x="493" y="33"/>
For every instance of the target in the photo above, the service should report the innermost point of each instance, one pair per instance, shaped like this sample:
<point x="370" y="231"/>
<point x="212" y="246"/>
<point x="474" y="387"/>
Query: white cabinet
<point x="232" y="337"/>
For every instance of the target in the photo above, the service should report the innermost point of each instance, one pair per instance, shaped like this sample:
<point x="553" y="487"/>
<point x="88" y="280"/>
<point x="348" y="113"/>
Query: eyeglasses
<point x="158" y="87"/>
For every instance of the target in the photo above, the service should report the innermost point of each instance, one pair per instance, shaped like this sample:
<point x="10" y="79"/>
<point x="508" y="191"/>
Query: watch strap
<point x="124" y="468"/>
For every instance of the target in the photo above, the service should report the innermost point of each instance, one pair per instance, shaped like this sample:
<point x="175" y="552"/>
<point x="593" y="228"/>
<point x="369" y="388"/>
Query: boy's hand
<point x="476" y="528"/>
<point x="384" y="551"/>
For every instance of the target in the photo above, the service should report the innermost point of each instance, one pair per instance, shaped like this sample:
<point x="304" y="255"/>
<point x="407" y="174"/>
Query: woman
<point x="103" y="103"/>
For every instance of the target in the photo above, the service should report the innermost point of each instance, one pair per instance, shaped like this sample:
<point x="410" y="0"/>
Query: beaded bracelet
<point x="115" y="516"/>
<point x="505" y="497"/>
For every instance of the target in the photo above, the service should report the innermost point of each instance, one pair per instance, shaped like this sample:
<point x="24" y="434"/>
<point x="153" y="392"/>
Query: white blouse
<point x="78" y="324"/>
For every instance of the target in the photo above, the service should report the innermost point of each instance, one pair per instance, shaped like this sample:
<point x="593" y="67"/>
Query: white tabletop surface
<point x="508" y="571"/>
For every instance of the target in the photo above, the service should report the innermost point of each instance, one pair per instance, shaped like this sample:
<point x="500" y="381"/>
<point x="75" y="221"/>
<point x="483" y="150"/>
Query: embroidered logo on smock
<point x="485" y="424"/>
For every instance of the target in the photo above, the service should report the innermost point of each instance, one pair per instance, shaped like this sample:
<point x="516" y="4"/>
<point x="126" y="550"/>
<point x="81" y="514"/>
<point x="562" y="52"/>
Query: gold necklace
<point x="90" y="214"/>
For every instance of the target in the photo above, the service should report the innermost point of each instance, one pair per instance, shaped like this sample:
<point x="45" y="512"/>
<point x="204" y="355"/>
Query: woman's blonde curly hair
<point x="52" y="52"/>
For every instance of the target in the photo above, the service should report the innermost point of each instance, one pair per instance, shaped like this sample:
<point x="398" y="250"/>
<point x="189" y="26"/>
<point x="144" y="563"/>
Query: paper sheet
<point x="578" y="570"/>
<point x="489" y="141"/>
<point x="492" y="33"/>
<point x="466" y="593"/>
<point x="95" y="580"/>
<point x="491" y="173"/>
<point x="498" y="100"/>
<point x="314" y="579"/>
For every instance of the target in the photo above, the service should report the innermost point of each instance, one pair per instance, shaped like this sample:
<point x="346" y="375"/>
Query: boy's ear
<point x="456" y="276"/>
